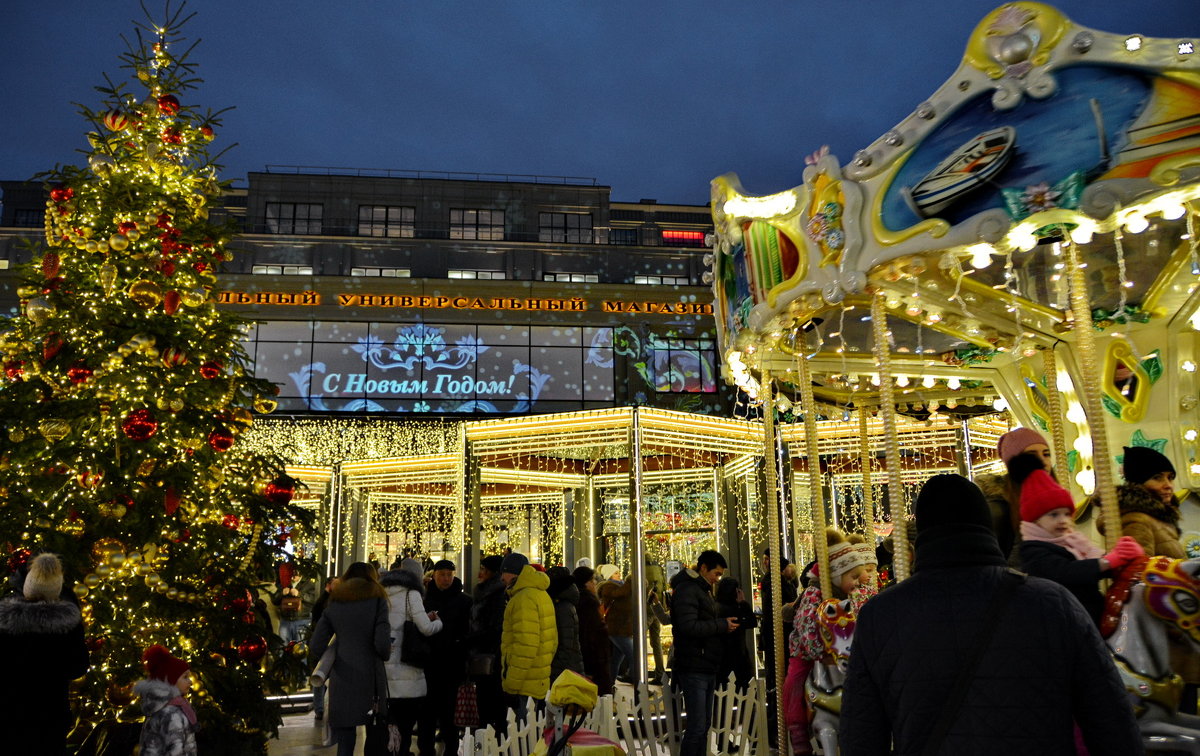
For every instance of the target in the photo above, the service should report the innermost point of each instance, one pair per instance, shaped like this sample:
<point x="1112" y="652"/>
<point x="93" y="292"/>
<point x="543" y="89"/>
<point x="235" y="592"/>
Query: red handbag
<point x="466" y="706"/>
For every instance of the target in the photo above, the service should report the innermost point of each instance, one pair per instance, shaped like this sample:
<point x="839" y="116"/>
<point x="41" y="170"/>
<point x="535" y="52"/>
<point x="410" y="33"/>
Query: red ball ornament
<point x="139" y="425"/>
<point x="89" y="479"/>
<point x="79" y="373"/>
<point x="280" y="491"/>
<point x="231" y="521"/>
<point x="171" y="500"/>
<point x="62" y="193"/>
<point x="14" y="369"/>
<point x="51" y="346"/>
<point x="171" y="135"/>
<point x="252" y="649"/>
<point x="171" y="302"/>
<point x="167" y="267"/>
<point x="168" y="104"/>
<point x="249" y="618"/>
<point x="115" y="120"/>
<point x="210" y="369"/>
<point x="207" y="133"/>
<point x="19" y="559"/>
<point x="220" y="440"/>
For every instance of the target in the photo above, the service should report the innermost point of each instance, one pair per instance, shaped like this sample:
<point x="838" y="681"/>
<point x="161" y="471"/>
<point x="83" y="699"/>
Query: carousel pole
<point x="865" y="457"/>
<point x="812" y="449"/>
<point x="637" y="550"/>
<point x="1093" y="407"/>
<point x="774" y="560"/>
<point x="1058" y="435"/>
<point x="891" y="444"/>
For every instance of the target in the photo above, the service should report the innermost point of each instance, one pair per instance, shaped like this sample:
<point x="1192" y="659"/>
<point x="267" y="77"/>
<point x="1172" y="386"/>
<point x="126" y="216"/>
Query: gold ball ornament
<point x="172" y="593"/>
<point x="105" y="546"/>
<point x="91" y="580"/>
<point x="193" y="297"/>
<point x="146" y="294"/>
<point x="80" y="590"/>
<point x="39" y="311"/>
<point x="116" y="559"/>
<point x="144" y="569"/>
<point x="54" y="429"/>
<point x="133" y="234"/>
<point x="264" y="405"/>
<point x="103" y="571"/>
<point x="118" y="242"/>
<point x="160" y="587"/>
<point x="16" y="435"/>
<point x="154" y="580"/>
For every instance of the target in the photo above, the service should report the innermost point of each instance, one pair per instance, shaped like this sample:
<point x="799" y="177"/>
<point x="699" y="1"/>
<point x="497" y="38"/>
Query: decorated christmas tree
<point x="124" y="395"/>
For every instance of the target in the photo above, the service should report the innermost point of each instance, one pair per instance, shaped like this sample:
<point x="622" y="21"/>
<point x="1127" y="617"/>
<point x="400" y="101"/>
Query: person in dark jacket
<point x="616" y="596"/>
<point x="593" y="634"/>
<point x="447" y="668"/>
<point x="487" y="625"/>
<point x="735" y="656"/>
<point x="565" y="595"/>
<point x="41" y="643"/>
<point x="699" y="640"/>
<point x="1050" y="546"/>
<point x="358" y="615"/>
<point x="1044" y="668"/>
<point x="766" y="632"/>
<point x="318" y="691"/>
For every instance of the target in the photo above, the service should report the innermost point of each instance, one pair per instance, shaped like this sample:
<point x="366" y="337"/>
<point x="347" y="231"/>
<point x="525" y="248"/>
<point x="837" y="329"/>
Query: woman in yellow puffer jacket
<point x="530" y="635"/>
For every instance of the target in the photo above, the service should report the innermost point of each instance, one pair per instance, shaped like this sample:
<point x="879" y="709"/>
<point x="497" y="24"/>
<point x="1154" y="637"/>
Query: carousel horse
<point x="1147" y="599"/>
<point x="835" y="622"/>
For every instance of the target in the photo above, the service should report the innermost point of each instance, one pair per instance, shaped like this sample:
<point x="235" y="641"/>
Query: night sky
<point x="651" y="97"/>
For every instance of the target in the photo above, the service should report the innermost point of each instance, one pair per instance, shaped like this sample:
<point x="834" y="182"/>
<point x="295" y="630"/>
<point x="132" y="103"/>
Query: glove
<point x="1126" y="551"/>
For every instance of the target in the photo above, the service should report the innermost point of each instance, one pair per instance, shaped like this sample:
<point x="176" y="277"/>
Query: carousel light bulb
<point x="1081" y="234"/>
<point x="933" y="316"/>
<point x="1136" y="224"/>
<point x="1083" y="445"/>
<point x="1194" y="469"/>
<point x="875" y="379"/>
<point x="1022" y="238"/>
<point x="927" y="381"/>
<point x="1188" y="366"/>
<point x="1195" y="320"/>
<point x="981" y="255"/>
<point x="1062" y="381"/>
<point x="1173" y="211"/>
<point x="1086" y="480"/>
<point x="1133" y="43"/>
<point x="1076" y="414"/>
<point x="953" y="383"/>
<point x="1000" y="404"/>
<point x="902" y="380"/>
<point x="1190" y="434"/>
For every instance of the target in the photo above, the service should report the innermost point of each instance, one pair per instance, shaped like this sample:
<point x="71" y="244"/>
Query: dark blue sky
<point x="652" y="97"/>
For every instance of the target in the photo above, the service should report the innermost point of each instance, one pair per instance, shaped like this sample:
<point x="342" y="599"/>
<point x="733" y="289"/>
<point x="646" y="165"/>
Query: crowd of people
<point x="968" y="654"/>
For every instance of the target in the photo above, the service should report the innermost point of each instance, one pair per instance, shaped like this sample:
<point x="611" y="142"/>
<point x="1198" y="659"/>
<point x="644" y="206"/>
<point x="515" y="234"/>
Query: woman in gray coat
<point x="358" y="615"/>
<point x="565" y="595"/>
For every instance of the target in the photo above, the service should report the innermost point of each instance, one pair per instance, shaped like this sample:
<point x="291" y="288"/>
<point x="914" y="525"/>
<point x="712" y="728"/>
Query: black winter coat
<point x="487" y="618"/>
<point x="41" y="652"/>
<point x="1079" y="576"/>
<point x="449" y="660"/>
<point x="568" y="655"/>
<point x="1045" y="667"/>
<point x="699" y="634"/>
<point x="594" y="643"/>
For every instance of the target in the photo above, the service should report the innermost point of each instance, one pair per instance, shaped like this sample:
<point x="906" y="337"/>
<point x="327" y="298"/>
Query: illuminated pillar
<point x="637" y="552"/>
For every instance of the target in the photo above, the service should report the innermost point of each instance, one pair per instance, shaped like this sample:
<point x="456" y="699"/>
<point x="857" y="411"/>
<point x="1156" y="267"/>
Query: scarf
<point x="1075" y="542"/>
<point x="186" y="708"/>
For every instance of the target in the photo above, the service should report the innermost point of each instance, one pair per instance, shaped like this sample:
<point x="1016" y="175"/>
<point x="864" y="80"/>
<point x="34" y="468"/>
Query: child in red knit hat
<point x="170" y="726"/>
<point x="1051" y="548"/>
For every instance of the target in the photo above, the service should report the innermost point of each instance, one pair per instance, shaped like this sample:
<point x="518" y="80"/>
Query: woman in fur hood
<point x="406" y="683"/>
<point x="41" y="643"/>
<point x="358" y="615"/>
<point x="1149" y="511"/>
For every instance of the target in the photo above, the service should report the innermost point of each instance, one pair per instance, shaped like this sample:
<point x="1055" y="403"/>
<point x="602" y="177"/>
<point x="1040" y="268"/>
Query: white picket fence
<point x="647" y="720"/>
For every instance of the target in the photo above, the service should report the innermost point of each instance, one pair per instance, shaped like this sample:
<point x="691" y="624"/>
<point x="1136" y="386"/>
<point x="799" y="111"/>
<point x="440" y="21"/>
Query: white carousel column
<point x="891" y="444"/>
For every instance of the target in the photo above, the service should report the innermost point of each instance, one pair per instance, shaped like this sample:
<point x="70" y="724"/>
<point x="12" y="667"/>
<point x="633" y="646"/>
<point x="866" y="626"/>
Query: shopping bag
<point x="466" y="706"/>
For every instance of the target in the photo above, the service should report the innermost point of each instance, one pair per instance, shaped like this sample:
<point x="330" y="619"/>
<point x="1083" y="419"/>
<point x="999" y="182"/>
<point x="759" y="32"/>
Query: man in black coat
<point x="447" y="668"/>
<point x="487" y="626"/>
<point x="698" y="633"/>
<point x="766" y="632"/>
<point x="1044" y="669"/>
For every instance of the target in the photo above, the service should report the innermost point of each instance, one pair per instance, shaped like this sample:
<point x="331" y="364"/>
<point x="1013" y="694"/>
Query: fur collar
<point x="1134" y="498"/>
<point x="155" y="694"/>
<point x="488" y="588"/>
<point x="357" y="589"/>
<point x="19" y="616"/>
<point x="402" y="578"/>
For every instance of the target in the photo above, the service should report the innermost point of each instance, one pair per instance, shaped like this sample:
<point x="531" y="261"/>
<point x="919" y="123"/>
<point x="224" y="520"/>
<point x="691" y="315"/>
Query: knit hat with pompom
<point x="160" y="665"/>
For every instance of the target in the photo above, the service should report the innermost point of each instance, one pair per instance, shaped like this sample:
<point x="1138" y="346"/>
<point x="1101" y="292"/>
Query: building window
<point x="387" y="220"/>
<point x="483" y="275"/>
<point x="572" y="277"/>
<point x="384" y="272"/>
<point x="294" y="218"/>
<point x="624" y="236"/>
<point x="487" y="225"/>
<point x="673" y="238"/>
<point x="571" y="228"/>
<point x="27" y="218"/>
<point x="663" y="280"/>
<point x="684" y="365"/>
<point x="282" y="270"/>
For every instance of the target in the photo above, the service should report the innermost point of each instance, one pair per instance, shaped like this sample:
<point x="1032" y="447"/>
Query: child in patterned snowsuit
<point x="852" y="567"/>
<point x="170" y="727"/>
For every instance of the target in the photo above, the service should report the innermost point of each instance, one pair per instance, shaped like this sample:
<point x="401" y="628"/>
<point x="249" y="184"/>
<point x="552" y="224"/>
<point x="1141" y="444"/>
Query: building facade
<point x="455" y="294"/>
